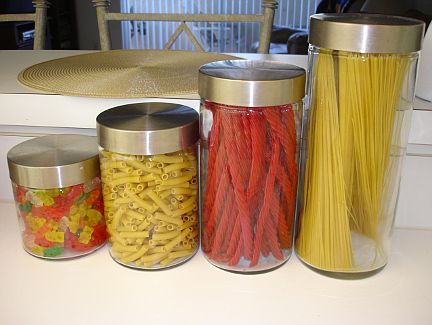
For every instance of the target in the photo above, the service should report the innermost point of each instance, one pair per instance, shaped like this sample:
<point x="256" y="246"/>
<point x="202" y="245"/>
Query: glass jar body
<point x="358" y="114"/>
<point x="249" y="167"/>
<point x="63" y="222"/>
<point x="151" y="207"/>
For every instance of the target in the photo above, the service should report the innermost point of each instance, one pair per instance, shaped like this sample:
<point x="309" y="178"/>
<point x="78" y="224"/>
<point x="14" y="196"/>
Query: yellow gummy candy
<point x="38" y="250"/>
<point x="85" y="235"/>
<point x="75" y="218"/>
<point x="55" y="236"/>
<point x="35" y="223"/>
<point x="53" y="225"/>
<point x="93" y="217"/>
<point x="82" y="210"/>
<point x="73" y="227"/>
<point x="54" y="192"/>
<point x="45" y="198"/>
<point x="73" y="209"/>
<point x="88" y="229"/>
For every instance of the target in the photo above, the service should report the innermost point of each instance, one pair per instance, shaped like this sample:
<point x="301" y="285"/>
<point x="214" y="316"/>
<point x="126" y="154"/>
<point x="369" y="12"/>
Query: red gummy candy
<point x="47" y="212"/>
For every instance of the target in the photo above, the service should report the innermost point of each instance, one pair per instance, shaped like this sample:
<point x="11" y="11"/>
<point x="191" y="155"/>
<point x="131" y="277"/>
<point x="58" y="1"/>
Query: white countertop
<point x="96" y="290"/>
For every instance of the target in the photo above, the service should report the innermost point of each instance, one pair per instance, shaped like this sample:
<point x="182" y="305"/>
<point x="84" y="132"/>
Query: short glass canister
<point x="361" y="78"/>
<point x="251" y="113"/>
<point x="149" y="166"/>
<point x="58" y="195"/>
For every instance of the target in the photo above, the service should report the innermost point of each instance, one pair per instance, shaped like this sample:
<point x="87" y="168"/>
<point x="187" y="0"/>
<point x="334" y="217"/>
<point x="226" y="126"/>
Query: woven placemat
<point x="120" y="73"/>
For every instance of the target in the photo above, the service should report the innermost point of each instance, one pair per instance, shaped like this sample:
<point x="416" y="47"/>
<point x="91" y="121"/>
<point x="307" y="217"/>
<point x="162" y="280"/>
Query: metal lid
<point x="147" y="128"/>
<point x="366" y="33"/>
<point x="251" y="83"/>
<point x="54" y="161"/>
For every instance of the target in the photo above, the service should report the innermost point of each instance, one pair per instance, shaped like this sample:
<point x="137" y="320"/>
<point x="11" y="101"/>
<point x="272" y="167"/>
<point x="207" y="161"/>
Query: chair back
<point x="39" y="17"/>
<point x="265" y="19"/>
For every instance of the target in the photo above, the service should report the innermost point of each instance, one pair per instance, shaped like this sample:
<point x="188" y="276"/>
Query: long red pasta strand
<point x="282" y="225"/>
<point x="223" y="231"/>
<point x="234" y="158"/>
<point x="289" y="192"/>
<point x="216" y="209"/>
<point x="235" y="237"/>
<point x="213" y="180"/>
<point x="257" y="174"/>
<point x="268" y="194"/>
<point x="271" y="234"/>
<point x="237" y="255"/>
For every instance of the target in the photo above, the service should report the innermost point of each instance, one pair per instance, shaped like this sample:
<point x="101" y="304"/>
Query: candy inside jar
<point x="61" y="222"/>
<point x="58" y="195"/>
<point x="250" y="143"/>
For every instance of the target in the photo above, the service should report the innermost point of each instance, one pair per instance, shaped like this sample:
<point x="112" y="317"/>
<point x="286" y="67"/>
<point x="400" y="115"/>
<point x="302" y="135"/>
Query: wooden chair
<point x="265" y="19"/>
<point x="39" y="17"/>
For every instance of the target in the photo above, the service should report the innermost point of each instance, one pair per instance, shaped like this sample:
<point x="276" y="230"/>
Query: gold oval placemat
<point x="121" y="73"/>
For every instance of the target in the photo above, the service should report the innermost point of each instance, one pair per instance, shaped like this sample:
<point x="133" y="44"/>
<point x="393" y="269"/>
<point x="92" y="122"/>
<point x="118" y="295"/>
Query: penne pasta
<point x="146" y="201"/>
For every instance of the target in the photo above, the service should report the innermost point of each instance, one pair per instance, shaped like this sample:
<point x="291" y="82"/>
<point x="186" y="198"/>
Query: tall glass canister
<point x="250" y="130"/>
<point x="149" y="167"/>
<point x="360" y="89"/>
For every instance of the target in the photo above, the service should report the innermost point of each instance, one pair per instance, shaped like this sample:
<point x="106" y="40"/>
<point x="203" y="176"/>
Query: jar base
<point x="65" y="256"/>
<point x="272" y="264"/>
<point x="343" y="275"/>
<point x="157" y="267"/>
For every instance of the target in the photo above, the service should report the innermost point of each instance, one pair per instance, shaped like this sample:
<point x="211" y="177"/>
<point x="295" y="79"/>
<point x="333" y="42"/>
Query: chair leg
<point x="101" y="10"/>
<point x="41" y="7"/>
<point x="268" y="7"/>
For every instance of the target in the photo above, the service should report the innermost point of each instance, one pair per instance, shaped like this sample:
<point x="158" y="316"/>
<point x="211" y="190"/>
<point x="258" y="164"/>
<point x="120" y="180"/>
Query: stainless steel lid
<point x="54" y="161"/>
<point x="366" y="33"/>
<point x="251" y="83"/>
<point x="147" y="128"/>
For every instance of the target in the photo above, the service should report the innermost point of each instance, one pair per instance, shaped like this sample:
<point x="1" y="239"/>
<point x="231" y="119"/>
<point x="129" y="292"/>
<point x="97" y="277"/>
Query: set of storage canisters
<point x="277" y="169"/>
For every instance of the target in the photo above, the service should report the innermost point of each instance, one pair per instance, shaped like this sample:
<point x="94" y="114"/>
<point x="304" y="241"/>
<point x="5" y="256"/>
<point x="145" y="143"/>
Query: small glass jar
<point x="250" y="134"/>
<point x="148" y="158"/>
<point x="361" y="81"/>
<point x="58" y="195"/>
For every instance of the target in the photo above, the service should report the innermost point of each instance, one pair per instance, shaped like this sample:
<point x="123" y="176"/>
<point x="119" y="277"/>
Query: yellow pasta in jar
<point x="147" y="199"/>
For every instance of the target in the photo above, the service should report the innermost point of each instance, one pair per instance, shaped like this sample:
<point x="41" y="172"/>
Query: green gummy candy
<point x="25" y="207"/>
<point x="53" y="251"/>
<point x="83" y="197"/>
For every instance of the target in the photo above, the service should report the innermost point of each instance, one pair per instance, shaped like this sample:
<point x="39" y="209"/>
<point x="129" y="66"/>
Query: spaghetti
<point x="353" y="125"/>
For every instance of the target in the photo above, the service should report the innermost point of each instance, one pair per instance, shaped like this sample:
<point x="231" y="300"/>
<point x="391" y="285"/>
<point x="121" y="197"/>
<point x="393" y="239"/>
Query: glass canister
<point x="149" y="169"/>
<point x="361" y="80"/>
<point x="251" y="113"/>
<point x="58" y="195"/>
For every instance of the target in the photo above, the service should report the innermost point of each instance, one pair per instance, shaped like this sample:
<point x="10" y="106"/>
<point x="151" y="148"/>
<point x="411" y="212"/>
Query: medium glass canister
<point x="148" y="157"/>
<point x="250" y="130"/>
<point x="360" y="89"/>
<point x="58" y="195"/>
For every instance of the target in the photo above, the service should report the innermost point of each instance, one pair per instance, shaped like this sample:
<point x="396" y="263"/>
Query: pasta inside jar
<point x="151" y="207"/>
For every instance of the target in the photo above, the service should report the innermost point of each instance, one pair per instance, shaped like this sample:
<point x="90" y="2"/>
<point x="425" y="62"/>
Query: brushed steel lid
<point x="147" y="128"/>
<point x="366" y="33"/>
<point x="251" y="83"/>
<point x="54" y="161"/>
